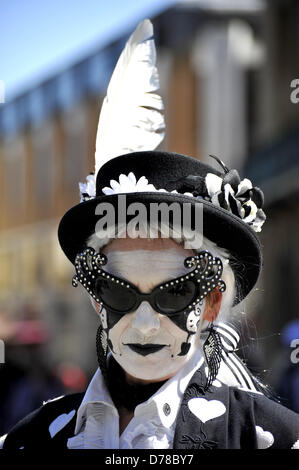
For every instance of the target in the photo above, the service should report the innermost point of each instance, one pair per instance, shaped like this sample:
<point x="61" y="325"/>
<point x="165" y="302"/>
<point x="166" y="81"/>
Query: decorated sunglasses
<point x="172" y="297"/>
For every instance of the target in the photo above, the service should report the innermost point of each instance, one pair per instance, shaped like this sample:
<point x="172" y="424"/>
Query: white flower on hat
<point x="125" y="184"/>
<point x="129" y="184"/>
<point x="88" y="189"/>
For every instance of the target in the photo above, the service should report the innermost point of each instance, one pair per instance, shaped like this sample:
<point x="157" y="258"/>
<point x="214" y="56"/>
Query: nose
<point x="145" y="319"/>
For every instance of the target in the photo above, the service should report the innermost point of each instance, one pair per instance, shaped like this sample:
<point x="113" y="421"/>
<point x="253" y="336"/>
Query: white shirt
<point x="153" y="424"/>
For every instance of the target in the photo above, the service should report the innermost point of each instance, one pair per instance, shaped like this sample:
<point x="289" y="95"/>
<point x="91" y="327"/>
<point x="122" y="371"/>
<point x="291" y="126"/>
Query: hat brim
<point x="220" y="226"/>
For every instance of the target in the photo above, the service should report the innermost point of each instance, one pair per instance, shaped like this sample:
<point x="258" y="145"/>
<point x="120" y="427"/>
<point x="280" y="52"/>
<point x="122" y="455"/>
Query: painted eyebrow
<point x="117" y="274"/>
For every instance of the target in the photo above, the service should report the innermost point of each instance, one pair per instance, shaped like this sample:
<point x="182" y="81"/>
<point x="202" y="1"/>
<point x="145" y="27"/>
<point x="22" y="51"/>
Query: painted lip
<point x="145" y="349"/>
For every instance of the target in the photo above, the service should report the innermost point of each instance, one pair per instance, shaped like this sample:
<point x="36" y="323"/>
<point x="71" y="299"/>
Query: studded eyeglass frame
<point x="206" y="276"/>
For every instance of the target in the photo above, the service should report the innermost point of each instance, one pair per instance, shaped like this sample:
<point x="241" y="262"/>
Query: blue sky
<point x="38" y="38"/>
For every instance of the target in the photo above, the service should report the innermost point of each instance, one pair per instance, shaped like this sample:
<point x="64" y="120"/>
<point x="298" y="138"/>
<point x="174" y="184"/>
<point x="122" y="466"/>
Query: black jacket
<point x="222" y="418"/>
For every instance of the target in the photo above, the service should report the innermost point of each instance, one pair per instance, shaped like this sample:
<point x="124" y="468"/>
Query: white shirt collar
<point x="96" y="392"/>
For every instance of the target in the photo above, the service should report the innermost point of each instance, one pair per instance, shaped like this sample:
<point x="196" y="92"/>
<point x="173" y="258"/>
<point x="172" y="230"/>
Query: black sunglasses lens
<point x="175" y="298"/>
<point x="115" y="296"/>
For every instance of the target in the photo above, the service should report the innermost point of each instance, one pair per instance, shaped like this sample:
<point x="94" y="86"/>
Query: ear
<point x="213" y="303"/>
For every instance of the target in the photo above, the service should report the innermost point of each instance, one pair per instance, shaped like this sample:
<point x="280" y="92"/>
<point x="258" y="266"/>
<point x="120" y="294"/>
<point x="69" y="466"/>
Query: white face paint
<point x="145" y="343"/>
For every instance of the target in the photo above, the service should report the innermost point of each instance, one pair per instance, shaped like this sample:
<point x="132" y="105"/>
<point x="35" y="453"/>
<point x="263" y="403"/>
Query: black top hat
<point x="232" y="209"/>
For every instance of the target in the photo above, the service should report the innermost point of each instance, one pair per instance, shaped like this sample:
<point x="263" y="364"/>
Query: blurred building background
<point x="226" y="67"/>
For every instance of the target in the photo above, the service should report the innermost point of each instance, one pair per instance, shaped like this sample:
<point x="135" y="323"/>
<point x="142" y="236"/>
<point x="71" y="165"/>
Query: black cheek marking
<point x="184" y="349"/>
<point x="112" y="319"/>
<point x="180" y="321"/>
<point x="110" y="346"/>
<point x="185" y="346"/>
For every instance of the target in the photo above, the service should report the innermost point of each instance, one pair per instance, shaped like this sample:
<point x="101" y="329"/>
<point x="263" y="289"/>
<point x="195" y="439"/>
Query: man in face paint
<point x="146" y="344"/>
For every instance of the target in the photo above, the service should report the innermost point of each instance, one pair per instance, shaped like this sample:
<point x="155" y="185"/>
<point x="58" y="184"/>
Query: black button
<point x="166" y="409"/>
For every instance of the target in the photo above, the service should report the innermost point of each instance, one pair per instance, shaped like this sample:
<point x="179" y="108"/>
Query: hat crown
<point x="165" y="170"/>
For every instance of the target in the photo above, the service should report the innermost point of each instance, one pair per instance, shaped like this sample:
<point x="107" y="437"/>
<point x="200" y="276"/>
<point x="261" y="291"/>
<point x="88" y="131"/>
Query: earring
<point x="102" y="351"/>
<point x="212" y="349"/>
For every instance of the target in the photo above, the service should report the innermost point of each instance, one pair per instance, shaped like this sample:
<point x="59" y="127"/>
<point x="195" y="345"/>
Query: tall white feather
<point x="131" y="117"/>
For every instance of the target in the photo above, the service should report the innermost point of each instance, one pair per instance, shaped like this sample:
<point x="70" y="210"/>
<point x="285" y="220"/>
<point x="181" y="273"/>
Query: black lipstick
<point x="145" y="349"/>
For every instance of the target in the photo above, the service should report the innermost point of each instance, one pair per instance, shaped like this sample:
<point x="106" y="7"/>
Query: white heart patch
<point x="265" y="439"/>
<point x="296" y="445"/>
<point x="206" y="410"/>
<point x="60" y="422"/>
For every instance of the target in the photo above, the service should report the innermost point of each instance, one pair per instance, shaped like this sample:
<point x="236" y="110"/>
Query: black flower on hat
<point x="240" y="198"/>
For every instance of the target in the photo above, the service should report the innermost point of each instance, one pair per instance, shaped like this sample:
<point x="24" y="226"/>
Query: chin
<point x="149" y="367"/>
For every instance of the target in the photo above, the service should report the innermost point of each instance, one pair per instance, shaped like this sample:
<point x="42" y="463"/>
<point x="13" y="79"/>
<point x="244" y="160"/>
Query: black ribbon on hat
<point x="191" y="184"/>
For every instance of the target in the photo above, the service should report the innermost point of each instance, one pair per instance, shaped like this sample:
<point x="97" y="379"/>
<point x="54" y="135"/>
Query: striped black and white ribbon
<point x="230" y="339"/>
